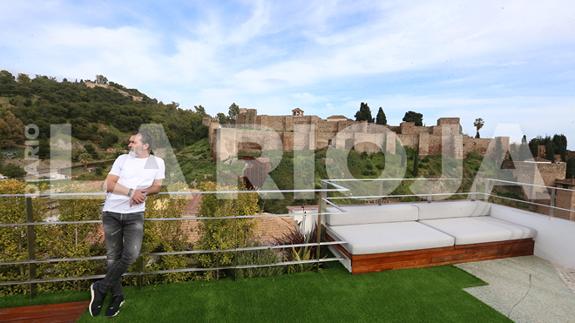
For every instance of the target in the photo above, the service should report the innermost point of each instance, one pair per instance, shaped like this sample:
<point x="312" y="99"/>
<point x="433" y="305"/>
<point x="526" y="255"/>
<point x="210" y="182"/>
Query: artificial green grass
<point x="432" y="294"/>
<point x="410" y="295"/>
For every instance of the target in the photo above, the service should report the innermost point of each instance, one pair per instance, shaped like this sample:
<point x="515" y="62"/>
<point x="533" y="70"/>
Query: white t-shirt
<point x="134" y="173"/>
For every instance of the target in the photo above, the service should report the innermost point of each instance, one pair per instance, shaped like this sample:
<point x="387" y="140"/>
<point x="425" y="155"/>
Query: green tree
<point x="233" y="112"/>
<point x="11" y="130"/>
<point x="91" y="150"/>
<point x="571" y="168"/>
<point x="200" y="110"/>
<point x="411" y="116"/>
<point x="23" y="78"/>
<point x="534" y="146"/>
<point x="108" y="140"/>
<point x="6" y="76"/>
<point x="550" y="150"/>
<point x="381" y="118"/>
<point x="364" y="113"/>
<point x="222" y="118"/>
<point x="12" y="171"/>
<point x="560" y="146"/>
<point x="478" y="124"/>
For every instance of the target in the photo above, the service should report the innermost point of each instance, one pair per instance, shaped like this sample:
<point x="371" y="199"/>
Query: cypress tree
<point x="381" y="118"/>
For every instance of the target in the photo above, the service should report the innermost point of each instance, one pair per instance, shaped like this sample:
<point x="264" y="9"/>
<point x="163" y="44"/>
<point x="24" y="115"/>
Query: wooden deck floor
<point x="65" y="312"/>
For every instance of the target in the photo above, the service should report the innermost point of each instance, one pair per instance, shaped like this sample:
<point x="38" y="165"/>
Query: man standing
<point x="132" y="177"/>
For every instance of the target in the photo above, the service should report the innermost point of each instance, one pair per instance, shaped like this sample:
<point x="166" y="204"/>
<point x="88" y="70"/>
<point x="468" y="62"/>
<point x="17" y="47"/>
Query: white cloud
<point x="277" y="55"/>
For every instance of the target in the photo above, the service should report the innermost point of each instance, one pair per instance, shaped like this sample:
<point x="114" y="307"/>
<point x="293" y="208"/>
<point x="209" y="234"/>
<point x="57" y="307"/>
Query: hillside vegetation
<point x="101" y="117"/>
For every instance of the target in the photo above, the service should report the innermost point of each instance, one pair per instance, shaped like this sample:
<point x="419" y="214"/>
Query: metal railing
<point x="30" y="226"/>
<point x="487" y="193"/>
<point x="324" y="201"/>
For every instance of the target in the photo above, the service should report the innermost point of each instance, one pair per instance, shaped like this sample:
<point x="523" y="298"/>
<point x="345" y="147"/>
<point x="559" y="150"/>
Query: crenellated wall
<point x="365" y="137"/>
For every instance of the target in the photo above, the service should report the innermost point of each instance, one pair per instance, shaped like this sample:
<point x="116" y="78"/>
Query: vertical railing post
<point x="320" y="210"/>
<point x="140" y="279"/>
<point x="486" y="189"/>
<point x="31" y="235"/>
<point x="552" y="202"/>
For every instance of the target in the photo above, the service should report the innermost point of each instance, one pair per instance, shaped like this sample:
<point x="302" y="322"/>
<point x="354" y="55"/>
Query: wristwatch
<point x="130" y="191"/>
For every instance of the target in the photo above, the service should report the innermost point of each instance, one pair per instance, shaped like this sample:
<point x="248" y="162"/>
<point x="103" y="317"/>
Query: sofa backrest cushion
<point x="364" y="214"/>
<point x="452" y="209"/>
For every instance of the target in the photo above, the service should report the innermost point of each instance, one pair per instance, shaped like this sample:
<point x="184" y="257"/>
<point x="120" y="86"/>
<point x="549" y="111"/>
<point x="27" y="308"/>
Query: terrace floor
<point x="437" y="294"/>
<point x="526" y="289"/>
<point x="332" y="295"/>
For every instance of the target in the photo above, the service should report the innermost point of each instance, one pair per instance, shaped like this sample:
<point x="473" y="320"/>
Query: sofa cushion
<point x="363" y="214"/>
<point x="480" y="229"/>
<point x="452" y="209"/>
<point x="388" y="237"/>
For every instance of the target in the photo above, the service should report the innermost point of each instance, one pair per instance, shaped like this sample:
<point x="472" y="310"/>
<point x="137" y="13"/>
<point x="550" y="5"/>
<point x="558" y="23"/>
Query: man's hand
<point x="139" y="196"/>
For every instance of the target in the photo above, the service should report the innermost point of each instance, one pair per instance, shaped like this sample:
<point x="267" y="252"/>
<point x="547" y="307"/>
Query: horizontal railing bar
<point x="331" y="203"/>
<point x="24" y="224"/>
<point x="187" y="252"/>
<point x="169" y="253"/>
<point x="443" y="194"/>
<point x="50" y="280"/>
<point x="168" y="271"/>
<point x="402" y="195"/>
<point x="185" y="218"/>
<point x="392" y="179"/>
<point x="285" y="263"/>
<point x="532" y="203"/>
<point x="345" y="189"/>
<point x="103" y="194"/>
<point x="532" y="185"/>
<point x="51" y="260"/>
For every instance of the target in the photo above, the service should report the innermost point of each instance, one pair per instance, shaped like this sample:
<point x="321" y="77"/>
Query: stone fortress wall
<point x="364" y="137"/>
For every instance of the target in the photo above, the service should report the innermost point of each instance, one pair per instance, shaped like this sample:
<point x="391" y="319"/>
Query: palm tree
<point x="478" y="125"/>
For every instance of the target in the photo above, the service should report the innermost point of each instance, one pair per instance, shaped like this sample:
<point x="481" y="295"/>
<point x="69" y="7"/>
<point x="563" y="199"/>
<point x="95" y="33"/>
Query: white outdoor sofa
<point x="406" y="235"/>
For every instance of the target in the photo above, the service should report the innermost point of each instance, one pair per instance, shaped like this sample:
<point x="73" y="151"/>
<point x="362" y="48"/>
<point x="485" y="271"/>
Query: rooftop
<point x="531" y="288"/>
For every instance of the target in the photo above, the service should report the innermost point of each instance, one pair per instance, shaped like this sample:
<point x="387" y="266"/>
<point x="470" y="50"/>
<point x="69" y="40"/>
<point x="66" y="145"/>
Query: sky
<point x="508" y="62"/>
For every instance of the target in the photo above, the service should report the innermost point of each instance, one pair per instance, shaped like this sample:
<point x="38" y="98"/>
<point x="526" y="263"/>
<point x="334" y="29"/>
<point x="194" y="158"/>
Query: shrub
<point x="224" y="234"/>
<point x="294" y="236"/>
<point x="257" y="257"/>
<point x="12" y="240"/>
<point x="165" y="236"/>
<point x="82" y="240"/>
<point x="12" y="171"/>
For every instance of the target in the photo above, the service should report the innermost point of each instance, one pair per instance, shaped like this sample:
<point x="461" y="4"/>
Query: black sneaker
<point x="115" y="304"/>
<point x="96" y="300"/>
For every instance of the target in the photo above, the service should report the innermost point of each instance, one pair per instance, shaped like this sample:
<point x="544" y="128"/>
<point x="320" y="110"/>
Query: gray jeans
<point x="123" y="234"/>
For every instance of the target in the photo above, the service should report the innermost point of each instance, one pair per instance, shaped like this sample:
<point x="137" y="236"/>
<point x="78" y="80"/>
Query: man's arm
<point x="137" y="196"/>
<point x="155" y="188"/>
<point x="112" y="186"/>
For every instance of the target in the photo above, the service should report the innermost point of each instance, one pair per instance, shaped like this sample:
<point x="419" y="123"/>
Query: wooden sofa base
<point x="437" y="256"/>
